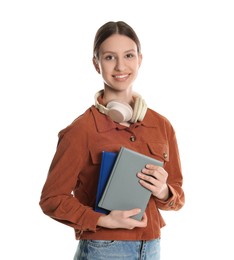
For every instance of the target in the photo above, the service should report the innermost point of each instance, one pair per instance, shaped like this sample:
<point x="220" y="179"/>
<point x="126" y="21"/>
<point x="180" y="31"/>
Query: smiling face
<point x="118" y="62"/>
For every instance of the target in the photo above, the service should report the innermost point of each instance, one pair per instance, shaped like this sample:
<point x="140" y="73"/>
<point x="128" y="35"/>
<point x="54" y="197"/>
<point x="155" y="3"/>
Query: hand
<point x="122" y="219"/>
<point x="154" y="178"/>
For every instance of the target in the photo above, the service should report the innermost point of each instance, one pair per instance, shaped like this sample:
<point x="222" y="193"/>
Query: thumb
<point x="133" y="212"/>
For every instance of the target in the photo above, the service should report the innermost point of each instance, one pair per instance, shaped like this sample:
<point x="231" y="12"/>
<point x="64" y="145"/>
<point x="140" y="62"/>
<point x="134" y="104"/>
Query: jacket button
<point x="165" y="155"/>
<point x="171" y="203"/>
<point x="132" y="138"/>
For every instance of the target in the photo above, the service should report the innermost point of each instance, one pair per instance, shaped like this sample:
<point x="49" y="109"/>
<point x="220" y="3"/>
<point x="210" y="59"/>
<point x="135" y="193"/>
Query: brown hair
<point x="111" y="28"/>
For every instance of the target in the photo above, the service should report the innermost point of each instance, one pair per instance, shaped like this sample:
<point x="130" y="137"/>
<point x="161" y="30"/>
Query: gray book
<point x="123" y="190"/>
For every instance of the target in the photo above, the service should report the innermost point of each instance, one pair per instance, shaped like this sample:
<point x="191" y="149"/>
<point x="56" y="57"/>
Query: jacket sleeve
<point x="57" y="199"/>
<point x="175" y="178"/>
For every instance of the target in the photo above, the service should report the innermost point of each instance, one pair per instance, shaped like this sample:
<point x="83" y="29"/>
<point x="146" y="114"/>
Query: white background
<point x="47" y="79"/>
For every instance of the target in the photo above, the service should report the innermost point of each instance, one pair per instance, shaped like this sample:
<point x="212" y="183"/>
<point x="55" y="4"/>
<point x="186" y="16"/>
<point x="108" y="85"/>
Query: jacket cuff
<point x="90" y="221"/>
<point x="168" y="204"/>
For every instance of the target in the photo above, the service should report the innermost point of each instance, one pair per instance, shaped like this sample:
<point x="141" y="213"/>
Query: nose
<point x="120" y="64"/>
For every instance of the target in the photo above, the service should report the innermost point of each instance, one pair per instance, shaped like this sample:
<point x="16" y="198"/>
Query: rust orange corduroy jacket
<point x="69" y="192"/>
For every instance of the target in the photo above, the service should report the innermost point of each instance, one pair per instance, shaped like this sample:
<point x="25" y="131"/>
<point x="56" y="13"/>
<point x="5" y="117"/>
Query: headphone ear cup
<point x="119" y="112"/>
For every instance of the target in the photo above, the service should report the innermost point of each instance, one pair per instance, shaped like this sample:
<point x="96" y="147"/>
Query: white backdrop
<point x="47" y="80"/>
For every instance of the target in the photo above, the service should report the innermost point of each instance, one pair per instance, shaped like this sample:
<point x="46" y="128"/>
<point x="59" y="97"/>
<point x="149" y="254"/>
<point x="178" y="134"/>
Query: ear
<point x="96" y="66"/>
<point x="140" y="57"/>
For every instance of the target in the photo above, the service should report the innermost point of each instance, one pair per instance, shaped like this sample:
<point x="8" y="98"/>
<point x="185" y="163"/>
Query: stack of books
<point x="118" y="185"/>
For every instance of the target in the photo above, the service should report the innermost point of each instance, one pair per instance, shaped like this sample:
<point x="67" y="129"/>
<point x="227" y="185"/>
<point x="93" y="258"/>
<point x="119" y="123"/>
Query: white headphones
<point x="121" y="111"/>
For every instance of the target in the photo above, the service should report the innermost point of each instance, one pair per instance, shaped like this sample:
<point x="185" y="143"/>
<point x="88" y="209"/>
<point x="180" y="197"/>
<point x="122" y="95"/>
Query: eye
<point x="130" y="55"/>
<point x="109" y="57"/>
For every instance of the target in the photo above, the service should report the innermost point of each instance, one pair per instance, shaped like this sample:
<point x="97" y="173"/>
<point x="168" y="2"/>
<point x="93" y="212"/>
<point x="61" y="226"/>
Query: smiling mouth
<point x="120" y="76"/>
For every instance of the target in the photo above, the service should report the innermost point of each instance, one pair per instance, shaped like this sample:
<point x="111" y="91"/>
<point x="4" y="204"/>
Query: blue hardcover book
<point x="107" y="163"/>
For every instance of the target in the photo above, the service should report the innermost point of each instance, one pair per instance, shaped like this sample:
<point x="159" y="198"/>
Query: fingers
<point x="144" y="219"/>
<point x="122" y="219"/>
<point x="154" y="171"/>
<point x="132" y="212"/>
<point x="154" y="178"/>
<point x="137" y="223"/>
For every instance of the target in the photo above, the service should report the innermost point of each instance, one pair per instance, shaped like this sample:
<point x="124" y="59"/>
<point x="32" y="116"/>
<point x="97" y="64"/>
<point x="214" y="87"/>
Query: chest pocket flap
<point x="160" y="150"/>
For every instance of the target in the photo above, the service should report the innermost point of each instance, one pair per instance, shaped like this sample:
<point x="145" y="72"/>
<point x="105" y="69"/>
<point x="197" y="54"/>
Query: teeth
<point x="121" y="76"/>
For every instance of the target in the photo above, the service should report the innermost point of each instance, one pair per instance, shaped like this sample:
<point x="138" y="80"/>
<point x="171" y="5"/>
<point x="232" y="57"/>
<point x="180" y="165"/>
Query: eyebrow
<point x="112" y="52"/>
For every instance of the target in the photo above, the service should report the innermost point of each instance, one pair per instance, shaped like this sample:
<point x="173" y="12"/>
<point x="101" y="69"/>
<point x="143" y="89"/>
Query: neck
<point x="122" y="96"/>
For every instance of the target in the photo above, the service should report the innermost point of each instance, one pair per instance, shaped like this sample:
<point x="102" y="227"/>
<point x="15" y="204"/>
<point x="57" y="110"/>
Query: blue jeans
<point x="107" y="249"/>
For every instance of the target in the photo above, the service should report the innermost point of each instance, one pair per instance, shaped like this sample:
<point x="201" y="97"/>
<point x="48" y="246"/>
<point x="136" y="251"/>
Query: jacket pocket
<point x="159" y="151"/>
